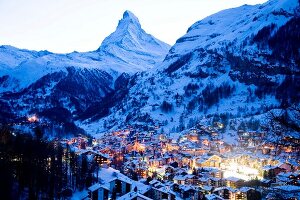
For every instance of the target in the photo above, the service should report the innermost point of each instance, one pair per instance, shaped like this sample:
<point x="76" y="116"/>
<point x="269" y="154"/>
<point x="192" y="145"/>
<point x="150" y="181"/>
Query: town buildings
<point x="149" y="165"/>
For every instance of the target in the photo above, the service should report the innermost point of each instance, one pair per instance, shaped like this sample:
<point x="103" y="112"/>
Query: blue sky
<point x="66" y="25"/>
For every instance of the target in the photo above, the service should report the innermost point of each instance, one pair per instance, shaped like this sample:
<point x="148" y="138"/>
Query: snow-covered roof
<point x="245" y="189"/>
<point x="213" y="197"/>
<point x="94" y="187"/>
<point x="133" y="195"/>
<point x="288" y="188"/>
<point x="207" y="187"/>
<point x="186" y="187"/>
<point x="179" y="178"/>
<point x="269" y="167"/>
<point x="225" y="188"/>
<point x="233" y="179"/>
<point x="79" y="195"/>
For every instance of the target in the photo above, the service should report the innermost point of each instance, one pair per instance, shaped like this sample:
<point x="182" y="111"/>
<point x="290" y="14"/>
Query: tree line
<point x="33" y="168"/>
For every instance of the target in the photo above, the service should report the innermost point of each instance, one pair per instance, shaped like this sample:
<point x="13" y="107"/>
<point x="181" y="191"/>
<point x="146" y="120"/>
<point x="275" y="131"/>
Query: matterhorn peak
<point x="129" y="15"/>
<point x="128" y="19"/>
<point x="129" y="36"/>
<point x="128" y="26"/>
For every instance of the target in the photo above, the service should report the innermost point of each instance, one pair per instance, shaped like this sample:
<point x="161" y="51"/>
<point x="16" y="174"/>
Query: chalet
<point x="111" y="183"/>
<point x="286" y="166"/>
<point x="179" y="179"/>
<point x="234" y="182"/>
<point x="214" y="135"/>
<point x="188" y="192"/>
<point x="136" y="146"/>
<point x="97" y="191"/>
<point x="225" y="192"/>
<point x="100" y="158"/>
<point x="94" y="191"/>
<point x="189" y="179"/>
<point x="207" y="189"/>
<point x="120" y="185"/>
<point x="216" y="182"/>
<point x="246" y="193"/>
<point x="214" y="172"/>
<point x="141" y="172"/>
<point x="203" y="181"/>
<point x="267" y="148"/>
<point x="158" y="193"/>
<point x="168" y="176"/>
<point x="156" y="162"/>
<point x="210" y="161"/>
<point x="271" y="172"/>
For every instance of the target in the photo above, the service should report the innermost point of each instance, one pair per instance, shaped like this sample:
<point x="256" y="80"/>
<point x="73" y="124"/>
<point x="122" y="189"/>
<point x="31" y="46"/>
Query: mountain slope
<point x="222" y="68"/>
<point x="234" y="25"/>
<point x="81" y="84"/>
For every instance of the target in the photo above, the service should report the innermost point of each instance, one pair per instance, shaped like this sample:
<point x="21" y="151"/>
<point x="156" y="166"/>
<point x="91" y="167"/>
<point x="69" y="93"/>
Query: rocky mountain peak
<point x="129" y="18"/>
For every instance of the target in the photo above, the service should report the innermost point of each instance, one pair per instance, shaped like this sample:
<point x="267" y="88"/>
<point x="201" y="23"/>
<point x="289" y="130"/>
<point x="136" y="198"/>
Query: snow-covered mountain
<point x="238" y="63"/>
<point x="32" y="82"/>
<point x="128" y="50"/>
<point x="233" y="66"/>
<point x="131" y="44"/>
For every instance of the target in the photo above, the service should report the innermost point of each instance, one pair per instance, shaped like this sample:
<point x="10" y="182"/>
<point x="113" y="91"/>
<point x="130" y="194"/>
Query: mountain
<point x="76" y="85"/>
<point x="131" y="44"/>
<point x="234" y="66"/>
<point x="128" y="50"/>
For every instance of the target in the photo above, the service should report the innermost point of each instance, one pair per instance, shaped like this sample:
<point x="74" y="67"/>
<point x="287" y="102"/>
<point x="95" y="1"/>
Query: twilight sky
<point x="66" y="25"/>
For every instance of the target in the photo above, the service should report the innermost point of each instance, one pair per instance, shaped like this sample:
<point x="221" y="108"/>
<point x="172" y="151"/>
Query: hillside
<point x="76" y="85"/>
<point x="222" y="69"/>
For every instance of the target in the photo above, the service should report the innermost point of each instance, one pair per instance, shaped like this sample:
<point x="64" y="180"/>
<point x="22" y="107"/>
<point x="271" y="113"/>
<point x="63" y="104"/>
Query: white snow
<point x="233" y="24"/>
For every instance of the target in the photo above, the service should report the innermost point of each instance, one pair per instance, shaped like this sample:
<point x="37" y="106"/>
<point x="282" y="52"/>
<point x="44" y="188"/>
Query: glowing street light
<point x="32" y="119"/>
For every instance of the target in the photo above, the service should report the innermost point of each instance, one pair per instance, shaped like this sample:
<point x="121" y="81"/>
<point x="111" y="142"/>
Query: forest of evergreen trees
<point x="209" y="96"/>
<point x="166" y="107"/>
<point x="33" y="168"/>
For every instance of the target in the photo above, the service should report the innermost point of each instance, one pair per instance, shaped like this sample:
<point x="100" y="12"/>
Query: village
<point x="138" y="164"/>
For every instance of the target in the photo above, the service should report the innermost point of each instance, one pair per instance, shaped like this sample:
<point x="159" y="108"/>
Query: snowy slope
<point x="10" y="57"/>
<point x="234" y="24"/>
<point x="217" y="69"/>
